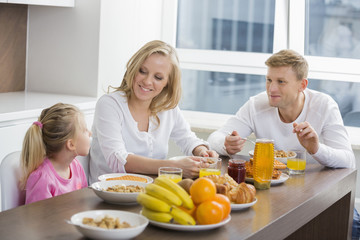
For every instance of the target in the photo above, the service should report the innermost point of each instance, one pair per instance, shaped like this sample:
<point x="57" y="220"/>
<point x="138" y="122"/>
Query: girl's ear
<point x="70" y="144"/>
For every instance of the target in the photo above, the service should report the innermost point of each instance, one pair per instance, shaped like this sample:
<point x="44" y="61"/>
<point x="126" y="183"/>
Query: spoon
<point x="246" y="139"/>
<point x="249" y="141"/>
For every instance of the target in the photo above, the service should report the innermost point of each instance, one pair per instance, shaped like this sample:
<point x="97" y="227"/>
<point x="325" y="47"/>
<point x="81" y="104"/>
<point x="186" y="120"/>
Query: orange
<point x="209" y="212"/>
<point x="202" y="189"/>
<point x="225" y="202"/>
<point x="189" y="211"/>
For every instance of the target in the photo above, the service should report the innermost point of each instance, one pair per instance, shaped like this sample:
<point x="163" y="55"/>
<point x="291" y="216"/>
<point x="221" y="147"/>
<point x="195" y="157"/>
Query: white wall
<point x="125" y="26"/>
<point x="63" y="46"/>
<point x="83" y="50"/>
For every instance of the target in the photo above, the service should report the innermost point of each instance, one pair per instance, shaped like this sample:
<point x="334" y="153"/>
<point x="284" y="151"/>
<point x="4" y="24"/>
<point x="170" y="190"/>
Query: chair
<point x="10" y="173"/>
<point x="84" y="160"/>
<point x="352" y="119"/>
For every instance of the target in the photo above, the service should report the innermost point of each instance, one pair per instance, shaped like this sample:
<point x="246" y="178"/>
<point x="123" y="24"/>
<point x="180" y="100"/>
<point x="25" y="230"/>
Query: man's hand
<point x="234" y="143"/>
<point x="307" y="136"/>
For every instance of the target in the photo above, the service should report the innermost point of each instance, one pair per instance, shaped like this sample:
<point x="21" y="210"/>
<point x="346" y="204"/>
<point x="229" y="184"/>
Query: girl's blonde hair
<point x="171" y="94"/>
<point x="48" y="135"/>
<point x="290" y="58"/>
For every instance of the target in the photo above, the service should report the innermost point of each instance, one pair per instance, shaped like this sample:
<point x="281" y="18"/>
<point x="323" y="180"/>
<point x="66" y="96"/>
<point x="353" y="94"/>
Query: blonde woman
<point x="49" y="150"/>
<point x="133" y="124"/>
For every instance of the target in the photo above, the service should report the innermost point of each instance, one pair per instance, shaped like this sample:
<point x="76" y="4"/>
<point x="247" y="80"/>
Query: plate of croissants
<point x="240" y="206"/>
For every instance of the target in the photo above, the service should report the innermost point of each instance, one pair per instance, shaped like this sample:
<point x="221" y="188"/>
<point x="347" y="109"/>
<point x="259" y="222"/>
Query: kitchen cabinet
<point x="58" y="3"/>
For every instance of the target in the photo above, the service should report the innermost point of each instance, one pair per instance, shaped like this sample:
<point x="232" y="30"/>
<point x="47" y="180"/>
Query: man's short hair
<point x="291" y="58"/>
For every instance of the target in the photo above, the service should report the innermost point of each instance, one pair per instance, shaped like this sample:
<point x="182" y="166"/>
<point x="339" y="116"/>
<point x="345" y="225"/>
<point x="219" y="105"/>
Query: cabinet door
<point x="58" y="3"/>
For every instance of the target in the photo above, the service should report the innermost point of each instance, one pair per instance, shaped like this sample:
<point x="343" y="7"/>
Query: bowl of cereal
<point x="109" y="224"/>
<point x="118" y="191"/>
<point x="283" y="156"/>
<point x="279" y="155"/>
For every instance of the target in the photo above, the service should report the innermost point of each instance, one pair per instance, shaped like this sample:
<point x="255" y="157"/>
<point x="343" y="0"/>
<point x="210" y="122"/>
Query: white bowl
<point x="116" y="197"/>
<point x="114" y="175"/>
<point x="137" y="221"/>
<point x="283" y="160"/>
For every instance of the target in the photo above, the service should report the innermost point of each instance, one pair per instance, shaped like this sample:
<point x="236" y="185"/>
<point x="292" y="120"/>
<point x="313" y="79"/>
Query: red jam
<point x="236" y="169"/>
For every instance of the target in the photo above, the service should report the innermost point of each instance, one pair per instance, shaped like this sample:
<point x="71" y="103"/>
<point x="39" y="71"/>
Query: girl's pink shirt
<point x="45" y="183"/>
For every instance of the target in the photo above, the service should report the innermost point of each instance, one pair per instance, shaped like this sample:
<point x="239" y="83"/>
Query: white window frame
<point x="289" y="32"/>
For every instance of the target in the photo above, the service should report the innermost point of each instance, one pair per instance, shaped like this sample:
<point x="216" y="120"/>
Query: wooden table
<point x="317" y="205"/>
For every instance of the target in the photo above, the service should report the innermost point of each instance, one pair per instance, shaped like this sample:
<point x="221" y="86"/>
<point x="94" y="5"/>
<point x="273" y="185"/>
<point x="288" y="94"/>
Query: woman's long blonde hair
<point x="171" y="94"/>
<point x="48" y="135"/>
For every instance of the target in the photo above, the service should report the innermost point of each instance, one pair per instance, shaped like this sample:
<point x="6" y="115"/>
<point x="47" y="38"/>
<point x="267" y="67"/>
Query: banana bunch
<point x="162" y="202"/>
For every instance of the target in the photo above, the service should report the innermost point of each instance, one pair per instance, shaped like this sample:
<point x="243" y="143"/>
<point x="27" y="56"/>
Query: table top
<point x="279" y="211"/>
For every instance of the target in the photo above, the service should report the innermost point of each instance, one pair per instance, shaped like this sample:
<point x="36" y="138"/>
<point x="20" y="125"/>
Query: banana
<point x="157" y="216"/>
<point x="163" y="194"/>
<point x="177" y="189"/>
<point x="182" y="217"/>
<point x="153" y="203"/>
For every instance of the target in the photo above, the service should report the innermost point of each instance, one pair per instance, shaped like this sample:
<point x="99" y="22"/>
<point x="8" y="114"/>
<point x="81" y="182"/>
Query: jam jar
<point x="236" y="169"/>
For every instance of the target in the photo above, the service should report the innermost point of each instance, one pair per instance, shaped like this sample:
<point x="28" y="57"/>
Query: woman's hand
<point x="203" y="151"/>
<point x="190" y="166"/>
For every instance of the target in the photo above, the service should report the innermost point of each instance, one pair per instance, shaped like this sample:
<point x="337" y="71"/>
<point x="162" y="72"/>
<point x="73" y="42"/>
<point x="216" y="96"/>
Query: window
<point x="230" y="25"/>
<point x="223" y="45"/>
<point x="333" y="29"/>
<point x="214" y="91"/>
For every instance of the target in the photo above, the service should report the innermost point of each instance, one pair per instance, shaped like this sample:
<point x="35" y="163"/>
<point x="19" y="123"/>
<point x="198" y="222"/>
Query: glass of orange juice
<point x="173" y="173"/>
<point x="297" y="164"/>
<point x="210" y="166"/>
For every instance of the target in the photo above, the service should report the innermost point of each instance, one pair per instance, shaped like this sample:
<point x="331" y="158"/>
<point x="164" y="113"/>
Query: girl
<point x="133" y="125"/>
<point x="49" y="150"/>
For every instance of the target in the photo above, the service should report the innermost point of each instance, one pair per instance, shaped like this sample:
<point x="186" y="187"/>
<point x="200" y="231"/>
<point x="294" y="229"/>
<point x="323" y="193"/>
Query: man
<point x="294" y="116"/>
<point x="291" y="114"/>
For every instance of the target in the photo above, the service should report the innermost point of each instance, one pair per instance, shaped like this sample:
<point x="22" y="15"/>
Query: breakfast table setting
<point x="315" y="205"/>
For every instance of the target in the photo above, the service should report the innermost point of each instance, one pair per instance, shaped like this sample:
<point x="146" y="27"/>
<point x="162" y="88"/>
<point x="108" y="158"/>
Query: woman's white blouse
<point x="116" y="135"/>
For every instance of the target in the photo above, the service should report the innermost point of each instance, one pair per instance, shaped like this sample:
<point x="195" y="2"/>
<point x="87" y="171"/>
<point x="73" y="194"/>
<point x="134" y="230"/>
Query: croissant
<point x="243" y="193"/>
<point x="221" y="183"/>
<point x="237" y="193"/>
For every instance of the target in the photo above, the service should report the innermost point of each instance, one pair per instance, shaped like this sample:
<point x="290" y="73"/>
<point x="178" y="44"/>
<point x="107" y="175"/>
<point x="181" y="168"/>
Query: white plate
<point x="235" y="206"/>
<point x="116" y="197"/>
<point x="283" y="178"/>
<point x="113" y="175"/>
<point x="188" y="228"/>
<point x="138" y="222"/>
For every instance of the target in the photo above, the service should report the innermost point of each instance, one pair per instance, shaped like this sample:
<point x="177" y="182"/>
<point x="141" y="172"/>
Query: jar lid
<point x="264" y="140"/>
<point x="236" y="162"/>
